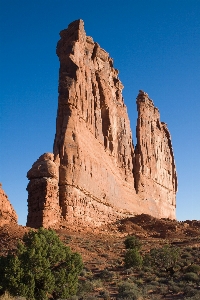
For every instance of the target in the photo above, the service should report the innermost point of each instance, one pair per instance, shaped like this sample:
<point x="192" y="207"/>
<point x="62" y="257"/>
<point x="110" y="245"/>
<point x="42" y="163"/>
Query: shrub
<point x="132" y="258"/>
<point x="72" y="298"/>
<point x="175" y="288"/>
<point x="187" y="256"/>
<point x="84" y="288"/>
<point x="128" y="290"/>
<point x="132" y="242"/>
<point x="42" y="266"/>
<point x="165" y="257"/>
<point x="190" y="276"/>
<point x="96" y="283"/>
<point x="106" y="275"/>
<point x="89" y="297"/>
<point x="189" y="291"/>
<point x="104" y="294"/>
<point x="195" y="297"/>
<point x="194" y="268"/>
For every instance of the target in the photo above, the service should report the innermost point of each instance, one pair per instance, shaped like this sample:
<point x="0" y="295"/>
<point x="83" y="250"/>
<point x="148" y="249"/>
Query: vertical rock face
<point x="155" y="172"/>
<point x="43" y="201"/>
<point x="7" y="213"/>
<point x="101" y="176"/>
<point x="93" y="137"/>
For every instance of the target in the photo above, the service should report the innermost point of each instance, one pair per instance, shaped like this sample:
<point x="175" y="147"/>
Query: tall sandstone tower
<point x="95" y="175"/>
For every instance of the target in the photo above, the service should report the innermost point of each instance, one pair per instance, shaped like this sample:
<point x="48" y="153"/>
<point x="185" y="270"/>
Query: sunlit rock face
<point x="101" y="177"/>
<point x="7" y="213"/>
<point x="93" y="137"/>
<point x="155" y="171"/>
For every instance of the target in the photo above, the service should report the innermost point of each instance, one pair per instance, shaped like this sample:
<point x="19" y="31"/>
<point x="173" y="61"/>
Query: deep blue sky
<point x="156" y="47"/>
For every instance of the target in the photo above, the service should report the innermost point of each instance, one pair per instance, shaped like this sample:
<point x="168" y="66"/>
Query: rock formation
<point x="43" y="201"/>
<point x="7" y="213"/>
<point x="101" y="176"/>
<point x="155" y="171"/>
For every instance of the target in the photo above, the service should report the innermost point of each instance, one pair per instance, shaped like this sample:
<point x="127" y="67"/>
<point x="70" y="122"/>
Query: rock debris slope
<point x="100" y="177"/>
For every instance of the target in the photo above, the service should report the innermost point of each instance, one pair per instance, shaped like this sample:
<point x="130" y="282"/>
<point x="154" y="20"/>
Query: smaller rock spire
<point x="7" y="213"/>
<point x="43" y="201"/>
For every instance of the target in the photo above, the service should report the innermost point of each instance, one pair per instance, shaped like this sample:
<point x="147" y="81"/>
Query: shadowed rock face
<point x="7" y="213"/>
<point x="43" y="198"/>
<point x="101" y="176"/>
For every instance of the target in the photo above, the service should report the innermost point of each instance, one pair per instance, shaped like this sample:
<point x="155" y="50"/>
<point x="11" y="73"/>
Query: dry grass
<point x="7" y="296"/>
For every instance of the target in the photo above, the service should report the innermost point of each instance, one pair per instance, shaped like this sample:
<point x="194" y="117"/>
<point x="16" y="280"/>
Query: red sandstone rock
<point x="7" y="213"/>
<point x="101" y="177"/>
<point x="43" y="201"/>
<point x="155" y="171"/>
<point x="93" y="137"/>
<point x="44" y="167"/>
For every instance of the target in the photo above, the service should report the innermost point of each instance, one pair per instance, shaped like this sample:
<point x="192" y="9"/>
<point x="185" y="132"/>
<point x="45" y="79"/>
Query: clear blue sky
<point x="156" y="47"/>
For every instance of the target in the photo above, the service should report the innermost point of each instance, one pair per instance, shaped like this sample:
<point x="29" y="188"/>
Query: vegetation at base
<point x="163" y="270"/>
<point x="166" y="271"/>
<point x="132" y="242"/>
<point x="165" y="258"/>
<point x="132" y="257"/>
<point x="127" y="290"/>
<point x="42" y="267"/>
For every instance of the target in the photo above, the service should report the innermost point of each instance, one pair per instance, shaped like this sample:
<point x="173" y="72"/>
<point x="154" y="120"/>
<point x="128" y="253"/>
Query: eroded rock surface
<point x="7" y="213"/>
<point x="101" y="176"/>
<point x="155" y="171"/>
<point x="93" y="137"/>
<point x="43" y="198"/>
